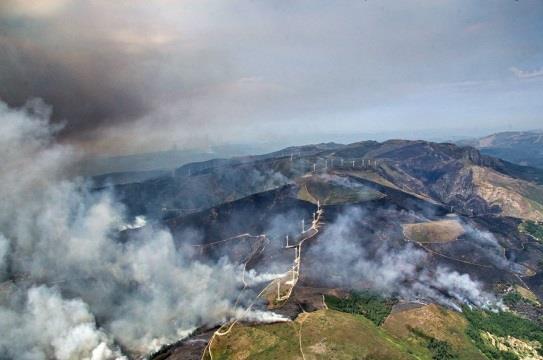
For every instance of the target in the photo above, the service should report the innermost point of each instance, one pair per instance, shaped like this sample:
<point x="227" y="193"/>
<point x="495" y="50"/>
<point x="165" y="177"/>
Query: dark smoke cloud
<point x="87" y="92"/>
<point x="132" y="76"/>
<point x="102" y="66"/>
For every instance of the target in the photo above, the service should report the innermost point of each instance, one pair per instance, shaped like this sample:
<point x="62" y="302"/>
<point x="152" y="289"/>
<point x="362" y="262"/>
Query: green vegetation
<point x="420" y="324"/>
<point x="336" y="191"/>
<point x="322" y="335"/>
<point x="512" y="298"/>
<point x="520" y="295"/>
<point x="440" y="350"/>
<point x="368" y="304"/>
<point x="532" y="228"/>
<point x="501" y="324"/>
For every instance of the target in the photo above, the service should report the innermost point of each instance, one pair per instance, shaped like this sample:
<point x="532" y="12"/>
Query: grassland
<point x="331" y="192"/>
<point x="527" y="294"/>
<point x="323" y="334"/>
<point x="520" y="294"/>
<point x="515" y="197"/>
<point x="375" y="177"/>
<point x="422" y="324"/>
<point x="441" y="231"/>
<point x="424" y="333"/>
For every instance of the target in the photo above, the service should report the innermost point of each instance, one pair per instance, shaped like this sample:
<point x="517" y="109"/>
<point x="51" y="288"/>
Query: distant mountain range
<point x="520" y="147"/>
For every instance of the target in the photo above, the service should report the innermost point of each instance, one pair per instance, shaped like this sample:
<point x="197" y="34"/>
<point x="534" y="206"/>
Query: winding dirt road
<point x="293" y="274"/>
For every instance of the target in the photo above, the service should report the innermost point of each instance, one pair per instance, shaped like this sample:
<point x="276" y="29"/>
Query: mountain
<point x="384" y="250"/>
<point x="458" y="177"/>
<point x="520" y="147"/>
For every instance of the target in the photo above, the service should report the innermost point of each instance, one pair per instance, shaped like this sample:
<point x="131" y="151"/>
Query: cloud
<point x="33" y="9"/>
<point x="523" y="74"/>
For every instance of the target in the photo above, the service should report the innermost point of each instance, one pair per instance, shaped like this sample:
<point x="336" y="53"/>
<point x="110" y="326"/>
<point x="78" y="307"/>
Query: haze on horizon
<point x="134" y="76"/>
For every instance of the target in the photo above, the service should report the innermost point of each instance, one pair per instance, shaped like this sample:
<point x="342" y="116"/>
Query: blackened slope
<point x="528" y="173"/>
<point x="443" y="172"/>
<point x="252" y="214"/>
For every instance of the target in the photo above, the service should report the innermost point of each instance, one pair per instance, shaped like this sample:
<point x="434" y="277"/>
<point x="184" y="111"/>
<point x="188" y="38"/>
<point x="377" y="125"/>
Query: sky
<point x="131" y="76"/>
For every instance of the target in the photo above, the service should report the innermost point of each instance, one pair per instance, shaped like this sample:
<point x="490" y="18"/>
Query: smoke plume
<point x="355" y="258"/>
<point x="70" y="290"/>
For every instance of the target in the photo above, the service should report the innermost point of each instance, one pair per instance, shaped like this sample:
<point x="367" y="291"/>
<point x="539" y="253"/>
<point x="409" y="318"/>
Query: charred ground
<point x="225" y="207"/>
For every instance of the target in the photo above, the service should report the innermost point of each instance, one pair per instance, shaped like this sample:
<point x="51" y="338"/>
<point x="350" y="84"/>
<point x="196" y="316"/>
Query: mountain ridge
<point x="455" y="176"/>
<point x="520" y="147"/>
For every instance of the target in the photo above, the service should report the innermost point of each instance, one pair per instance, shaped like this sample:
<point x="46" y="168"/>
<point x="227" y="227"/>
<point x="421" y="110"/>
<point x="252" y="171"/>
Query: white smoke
<point x="3" y="254"/>
<point x="139" y="222"/>
<point x="254" y="278"/>
<point x="71" y="291"/>
<point x="51" y="327"/>
<point x="487" y="243"/>
<point x="268" y="179"/>
<point x="461" y="287"/>
<point x="358" y="261"/>
<point x="261" y="316"/>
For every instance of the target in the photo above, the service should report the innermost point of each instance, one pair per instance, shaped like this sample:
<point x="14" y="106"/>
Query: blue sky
<point x="132" y="76"/>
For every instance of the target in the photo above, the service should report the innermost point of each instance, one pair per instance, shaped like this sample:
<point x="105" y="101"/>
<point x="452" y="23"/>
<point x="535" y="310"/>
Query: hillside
<point x="417" y="222"/>
<point x="271" y="180"/>
<point x="520" y="147"/>
<point x="458" y="177"/>
<point x="321" y="334"/>
<point x="373" y="216"/>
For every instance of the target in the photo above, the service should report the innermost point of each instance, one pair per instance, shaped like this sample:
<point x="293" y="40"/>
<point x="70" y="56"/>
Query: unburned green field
<point x="532" y="228"/>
